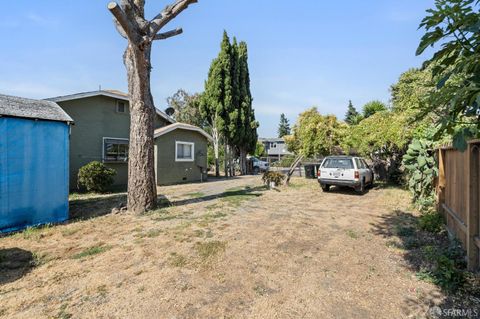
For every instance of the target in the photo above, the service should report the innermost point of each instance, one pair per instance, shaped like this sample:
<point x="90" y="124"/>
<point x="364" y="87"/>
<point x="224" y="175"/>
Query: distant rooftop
<point x="116" y="94"/>
<point x="271" y="139"/>
<point x="34" y="109"/>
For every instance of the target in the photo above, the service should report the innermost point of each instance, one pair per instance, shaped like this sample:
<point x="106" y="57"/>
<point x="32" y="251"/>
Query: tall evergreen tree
<point x="227" y="103"/>
<point x="216" y="102"/>
<point x="284" y="126"/>
<point x="247" y="127"/>
<point x="352" y="116"/>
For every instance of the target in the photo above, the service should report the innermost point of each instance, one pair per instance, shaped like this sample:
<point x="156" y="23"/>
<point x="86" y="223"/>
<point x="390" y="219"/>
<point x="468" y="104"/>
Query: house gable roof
<point x="119" y="95"/>
<point x="183" y="126"/>
<point x="34" y="109"/>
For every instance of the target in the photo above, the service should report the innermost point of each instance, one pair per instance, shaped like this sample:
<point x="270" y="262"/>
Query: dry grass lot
<point x="223" y="249"/>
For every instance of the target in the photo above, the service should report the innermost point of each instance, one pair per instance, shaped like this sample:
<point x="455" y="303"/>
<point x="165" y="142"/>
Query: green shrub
<point x="275" y="177"/>
<point x="431" y="222"/>
<point x="421" y="168"/>
<point x="96" y="177"/>
<point x="446" y="268"/>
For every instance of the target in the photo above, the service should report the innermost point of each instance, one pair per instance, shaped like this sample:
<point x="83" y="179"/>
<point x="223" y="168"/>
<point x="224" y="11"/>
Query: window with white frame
<point x="115" y="149"/>
<point x="184" y="151"/>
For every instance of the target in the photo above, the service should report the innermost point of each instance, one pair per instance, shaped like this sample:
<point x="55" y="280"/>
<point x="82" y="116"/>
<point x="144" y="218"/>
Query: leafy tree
<point x="315" y="134"/>
<point x="212" y="105"/>
<point x="259" y="150"/>
<point x="411" y="95"/>
<point x="454" y="26"/>
<point x="284" y="126"/>
<point x="373" y="107"/>
<point x="383" y="137"/>
<point x="352" y="117"/>
<point x="187" y="108"/>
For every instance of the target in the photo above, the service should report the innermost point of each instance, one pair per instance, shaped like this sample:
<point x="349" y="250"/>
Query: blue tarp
<point x="33" y="172"/>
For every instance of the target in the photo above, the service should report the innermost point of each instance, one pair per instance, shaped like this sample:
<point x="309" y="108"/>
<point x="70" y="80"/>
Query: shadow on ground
<point x="86" y="208"/>
<point x="14" y="264"/>
<point x="247" y="191"/>
<point x="81" y="209"/>
<point x="346" y="190"/>
<point x="418" y="250"/>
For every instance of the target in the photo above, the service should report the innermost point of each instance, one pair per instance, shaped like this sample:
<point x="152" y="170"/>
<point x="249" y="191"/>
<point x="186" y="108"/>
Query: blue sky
<point x="302" y="53"/>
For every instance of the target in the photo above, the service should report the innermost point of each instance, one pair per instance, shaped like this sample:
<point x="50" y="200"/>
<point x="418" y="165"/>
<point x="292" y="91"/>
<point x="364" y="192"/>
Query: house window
<point x="121" y="107"/>
<point x="184" y="151"/>
<point x="115" y="149"/>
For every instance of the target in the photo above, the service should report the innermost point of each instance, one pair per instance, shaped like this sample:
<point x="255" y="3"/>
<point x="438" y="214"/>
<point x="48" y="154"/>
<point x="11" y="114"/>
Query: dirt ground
<point x="222" y="249"/>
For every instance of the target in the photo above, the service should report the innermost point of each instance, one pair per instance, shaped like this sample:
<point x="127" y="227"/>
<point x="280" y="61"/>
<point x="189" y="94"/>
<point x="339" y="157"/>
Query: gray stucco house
<point x="101" y="133"/>
<point x="275" y="148"/>
<point x="180" y="154"/>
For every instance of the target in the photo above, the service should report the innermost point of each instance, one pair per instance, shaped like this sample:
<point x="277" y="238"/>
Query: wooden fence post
<point x="441" y="182"/>
<point x="473" y="207"/>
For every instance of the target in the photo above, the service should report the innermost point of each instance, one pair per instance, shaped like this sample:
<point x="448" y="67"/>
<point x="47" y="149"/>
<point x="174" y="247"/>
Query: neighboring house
<point x="34" y="146"/>
<point x="101" y="131"/>
<point x="180" y="154"/>
<point x="275" y="147"/>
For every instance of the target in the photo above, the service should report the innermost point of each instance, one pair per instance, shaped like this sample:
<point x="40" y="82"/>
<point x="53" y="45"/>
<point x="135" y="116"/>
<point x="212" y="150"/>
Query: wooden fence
<point x="458" y="195"/>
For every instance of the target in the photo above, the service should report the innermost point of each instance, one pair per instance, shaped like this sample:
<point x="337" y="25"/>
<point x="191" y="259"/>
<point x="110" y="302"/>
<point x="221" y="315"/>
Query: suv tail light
<point x="357" y="175"/>
<point x="319" y="172"/>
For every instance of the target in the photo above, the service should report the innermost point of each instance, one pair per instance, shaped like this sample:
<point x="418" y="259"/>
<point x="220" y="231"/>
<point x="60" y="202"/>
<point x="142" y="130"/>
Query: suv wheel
<point x="256" y="170"/>
<point x="325" y="187"/>
<point x="361" y="189"/>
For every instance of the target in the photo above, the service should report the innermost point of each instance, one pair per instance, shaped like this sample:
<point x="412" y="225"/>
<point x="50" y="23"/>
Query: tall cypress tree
<point x="217" y="98"/>
<point x="248" y="124"/>
<point x="352" y="116"/>
<point x="227" y="103"/>
<point x="284" y="126"/>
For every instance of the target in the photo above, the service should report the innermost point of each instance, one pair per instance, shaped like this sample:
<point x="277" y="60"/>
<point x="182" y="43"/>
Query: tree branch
<point x="168" y="14"/>
<point x="168" y="34"/>
<point x="123" y="21"/>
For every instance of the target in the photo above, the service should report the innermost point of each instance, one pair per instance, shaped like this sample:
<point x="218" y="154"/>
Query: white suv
<point x="345" y="171"/>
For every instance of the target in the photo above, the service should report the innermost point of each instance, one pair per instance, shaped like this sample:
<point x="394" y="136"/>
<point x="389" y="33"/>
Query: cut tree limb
<point x="168" y="34"/>
<point x="128" y="27"/>
<point x="168" y="14"/>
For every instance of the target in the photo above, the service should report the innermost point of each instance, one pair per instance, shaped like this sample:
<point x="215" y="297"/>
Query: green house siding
<point x="168" y="170"/>
<point x="95" y="118"/>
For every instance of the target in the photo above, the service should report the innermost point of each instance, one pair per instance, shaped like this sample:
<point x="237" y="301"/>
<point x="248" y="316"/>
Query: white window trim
<point x="103" y="148"/>
<point x="184" y="159"/>
<point x="124" y="105"/>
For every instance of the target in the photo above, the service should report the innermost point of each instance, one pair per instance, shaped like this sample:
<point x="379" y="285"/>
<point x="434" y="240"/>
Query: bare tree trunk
<point x="225" y="159"/>
<point x="142" y="190"/>
<point x="232" y="162"/>
<point x="216" y="141"/>
<point x="130" y="22"/>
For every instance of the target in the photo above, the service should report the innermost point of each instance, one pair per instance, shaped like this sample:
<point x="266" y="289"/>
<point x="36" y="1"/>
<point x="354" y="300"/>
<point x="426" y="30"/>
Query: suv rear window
<point x="344" y="163"/>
